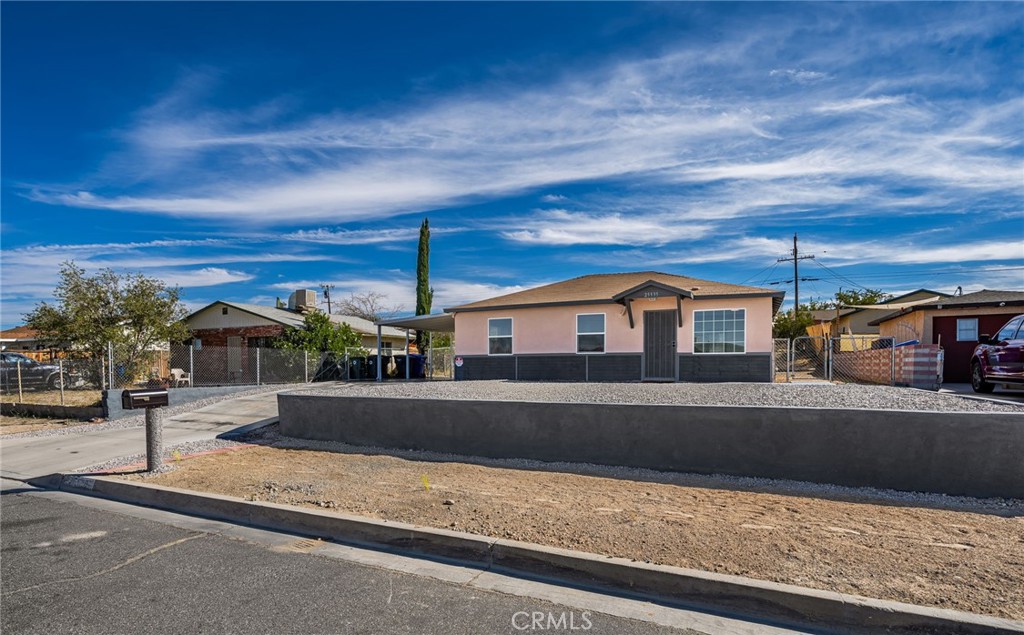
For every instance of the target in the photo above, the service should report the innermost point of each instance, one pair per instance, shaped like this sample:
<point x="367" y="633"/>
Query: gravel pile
<point x="725" y="394"/>
<point x="138" y="420"/>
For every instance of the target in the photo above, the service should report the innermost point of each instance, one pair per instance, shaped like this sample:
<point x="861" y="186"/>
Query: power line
<point x="841" y="276"/>
<point x="796" y="258"/>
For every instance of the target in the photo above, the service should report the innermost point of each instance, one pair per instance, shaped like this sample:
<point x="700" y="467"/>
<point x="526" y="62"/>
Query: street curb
<point x="778" y="604"/>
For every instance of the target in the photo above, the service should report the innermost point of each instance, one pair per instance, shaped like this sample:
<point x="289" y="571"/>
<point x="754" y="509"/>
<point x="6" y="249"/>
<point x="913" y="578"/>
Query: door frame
<point x="675" y="348"/>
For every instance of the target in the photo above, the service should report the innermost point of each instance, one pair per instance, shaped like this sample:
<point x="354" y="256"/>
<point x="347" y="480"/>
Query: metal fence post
<point x="21" y="397"/>
<point x="829" y="344"/>
<point x="305" y="365"/>
<point x="110" y="365"/>
<point x="191" y="365"/>
<point x="892" y="363"/>
<point x="257" y="365"/>
<point x="60" y="366"/>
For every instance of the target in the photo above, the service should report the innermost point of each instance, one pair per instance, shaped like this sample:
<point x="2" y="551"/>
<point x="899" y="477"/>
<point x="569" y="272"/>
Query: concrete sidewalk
<point x="1001" y="395"/>
<point x="32" y="457"/>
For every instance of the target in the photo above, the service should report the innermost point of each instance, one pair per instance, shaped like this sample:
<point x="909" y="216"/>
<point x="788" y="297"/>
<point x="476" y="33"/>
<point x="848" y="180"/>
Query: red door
<point x="958" y="337"/>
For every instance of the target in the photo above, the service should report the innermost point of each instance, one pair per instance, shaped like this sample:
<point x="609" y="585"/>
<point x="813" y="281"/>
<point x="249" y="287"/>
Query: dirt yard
<point x="16" y="424"/>
<point x="951" y="559"/>
<point x="52" y="397"/>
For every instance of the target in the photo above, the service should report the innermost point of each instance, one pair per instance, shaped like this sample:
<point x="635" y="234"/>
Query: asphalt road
<point x="73" y="564"/>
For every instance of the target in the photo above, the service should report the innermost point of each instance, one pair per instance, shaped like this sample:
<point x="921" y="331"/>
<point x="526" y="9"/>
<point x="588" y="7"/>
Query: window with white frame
<point x="499" y="336"/>
<point x="720" y="331"/>
<point x="967" y="330"/>
<point x="590" y="333"/>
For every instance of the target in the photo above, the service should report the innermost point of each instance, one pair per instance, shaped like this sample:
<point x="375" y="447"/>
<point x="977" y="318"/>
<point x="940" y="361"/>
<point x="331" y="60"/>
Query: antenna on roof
<point x="959" y="291"/>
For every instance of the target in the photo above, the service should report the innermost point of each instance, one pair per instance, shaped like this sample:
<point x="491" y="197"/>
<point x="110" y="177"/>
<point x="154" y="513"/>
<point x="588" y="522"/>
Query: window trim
<point x="693" y="331"/>
<point x="976" y="329"/>
<point x="603" y="334"/>
<point x="510" y="336"/>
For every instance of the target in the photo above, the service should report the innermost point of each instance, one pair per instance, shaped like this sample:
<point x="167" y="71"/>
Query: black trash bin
<point x="357" y="369"/>
<point x="399" y="366"/>
<point x="416" y="366"/>
<point x="371" y="367"/>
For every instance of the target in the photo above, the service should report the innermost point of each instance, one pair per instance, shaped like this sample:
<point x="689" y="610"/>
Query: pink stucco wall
<point x="553" y="329"/>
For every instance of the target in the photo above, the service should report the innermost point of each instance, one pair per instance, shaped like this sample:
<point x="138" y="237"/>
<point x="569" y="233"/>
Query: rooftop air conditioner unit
<point x="302" y="301"/>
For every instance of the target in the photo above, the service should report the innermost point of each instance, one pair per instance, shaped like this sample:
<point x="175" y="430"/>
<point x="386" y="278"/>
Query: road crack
<point x="112" y="569"/>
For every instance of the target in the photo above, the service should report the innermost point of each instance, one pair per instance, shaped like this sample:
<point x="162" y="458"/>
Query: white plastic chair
<point x="180" y="377"/>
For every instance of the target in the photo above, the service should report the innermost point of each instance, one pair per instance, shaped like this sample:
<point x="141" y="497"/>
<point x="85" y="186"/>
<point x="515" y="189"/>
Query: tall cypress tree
<point x="424" y="294"/>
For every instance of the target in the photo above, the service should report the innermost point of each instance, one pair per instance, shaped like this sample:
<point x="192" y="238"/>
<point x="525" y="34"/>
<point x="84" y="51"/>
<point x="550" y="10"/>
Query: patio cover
<point x="441" y="322"/>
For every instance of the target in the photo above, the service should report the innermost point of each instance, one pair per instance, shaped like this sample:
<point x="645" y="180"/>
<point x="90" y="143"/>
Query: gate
<point x="863" y="359"/>
<point x="808" y="359"/>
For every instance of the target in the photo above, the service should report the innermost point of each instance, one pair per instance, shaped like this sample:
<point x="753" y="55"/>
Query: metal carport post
<point x="380" y="376"/>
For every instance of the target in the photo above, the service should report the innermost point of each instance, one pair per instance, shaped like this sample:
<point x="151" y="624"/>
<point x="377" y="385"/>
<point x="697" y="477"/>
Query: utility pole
<point x="327" y="294"/>
<point x="796" y="258"/>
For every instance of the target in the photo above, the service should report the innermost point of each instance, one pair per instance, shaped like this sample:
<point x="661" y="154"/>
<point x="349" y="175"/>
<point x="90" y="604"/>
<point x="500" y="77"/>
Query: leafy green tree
<point x="319" y="334"/>
<point x="866" y="296"/>
<point x="788" y="325"/>
<point x="424" y="293"/>
<point x="134" y="313"/>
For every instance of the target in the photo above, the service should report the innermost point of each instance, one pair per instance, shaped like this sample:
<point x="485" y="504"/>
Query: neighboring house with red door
<point x="954" y="323"/>
<point x="645" y="325"/>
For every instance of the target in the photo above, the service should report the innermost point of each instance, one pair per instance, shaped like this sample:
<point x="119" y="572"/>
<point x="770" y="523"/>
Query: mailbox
<point x="147" y="398"/>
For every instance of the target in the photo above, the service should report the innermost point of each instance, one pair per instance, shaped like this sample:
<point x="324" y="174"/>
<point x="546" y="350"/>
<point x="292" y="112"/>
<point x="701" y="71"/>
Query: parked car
<point x="999" y="360"/>
<point x="33" y="374"/>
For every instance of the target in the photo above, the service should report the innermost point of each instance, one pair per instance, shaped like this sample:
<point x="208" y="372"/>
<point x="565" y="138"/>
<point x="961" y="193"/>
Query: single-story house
<point x="238" y="327"/>
<point x="859" y="321"/>
<point x="954" y="323"/>
<point x="21" y="339"/>
<point x="643" y="326"/>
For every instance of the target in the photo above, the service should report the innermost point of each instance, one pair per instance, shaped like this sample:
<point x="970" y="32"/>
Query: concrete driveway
<point x="32" y="457"/>
<point x="1000" y="394"/>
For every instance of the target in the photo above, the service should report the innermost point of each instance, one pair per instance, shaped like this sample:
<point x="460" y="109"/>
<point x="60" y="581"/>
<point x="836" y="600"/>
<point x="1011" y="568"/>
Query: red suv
<point x="1000" y="359"/>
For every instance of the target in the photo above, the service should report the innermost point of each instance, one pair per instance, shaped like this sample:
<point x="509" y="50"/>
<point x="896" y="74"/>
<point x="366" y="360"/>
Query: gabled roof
<point x="18" y="333"/>
<point x="983" y="298"/>
<point x="295" y="319"/>
<point x="607" y="287"/>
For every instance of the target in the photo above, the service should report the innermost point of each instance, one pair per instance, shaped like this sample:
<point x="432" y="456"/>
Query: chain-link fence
<point x="862" y="359"/>
<point x="780" y="360"/>
<point x="846" y="359"/>
<point x="440" y="363"/>
<point x="63" y="379"/>
<point x="78" y="379"/>
<point x="808" y="359"/>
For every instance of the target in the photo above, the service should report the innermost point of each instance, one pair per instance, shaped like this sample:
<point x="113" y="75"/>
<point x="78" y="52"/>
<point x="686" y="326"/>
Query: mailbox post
<point x="152" y="400"/>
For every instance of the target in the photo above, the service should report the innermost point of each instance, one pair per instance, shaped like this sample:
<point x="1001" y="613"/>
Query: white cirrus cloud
<point x="562" y="228"/>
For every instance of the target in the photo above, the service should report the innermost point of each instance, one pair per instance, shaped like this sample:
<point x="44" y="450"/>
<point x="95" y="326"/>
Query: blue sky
<point x="244" y="150"/>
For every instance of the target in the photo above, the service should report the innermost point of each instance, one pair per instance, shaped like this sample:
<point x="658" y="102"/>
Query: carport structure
<point x="436" y="322"/>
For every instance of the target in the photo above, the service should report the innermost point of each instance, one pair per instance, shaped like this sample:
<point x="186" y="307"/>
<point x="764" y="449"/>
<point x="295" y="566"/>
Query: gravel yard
<point x="933" y="550"/>
<point x="726" y="394"/>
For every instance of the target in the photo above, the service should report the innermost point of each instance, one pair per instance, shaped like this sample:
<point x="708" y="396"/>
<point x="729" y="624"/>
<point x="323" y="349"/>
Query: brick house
<point x="224" y="334"/>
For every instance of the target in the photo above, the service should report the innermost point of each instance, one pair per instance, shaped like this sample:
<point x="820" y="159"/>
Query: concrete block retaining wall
<point x="972" y="454"/>
<point x="613" y="367"/>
